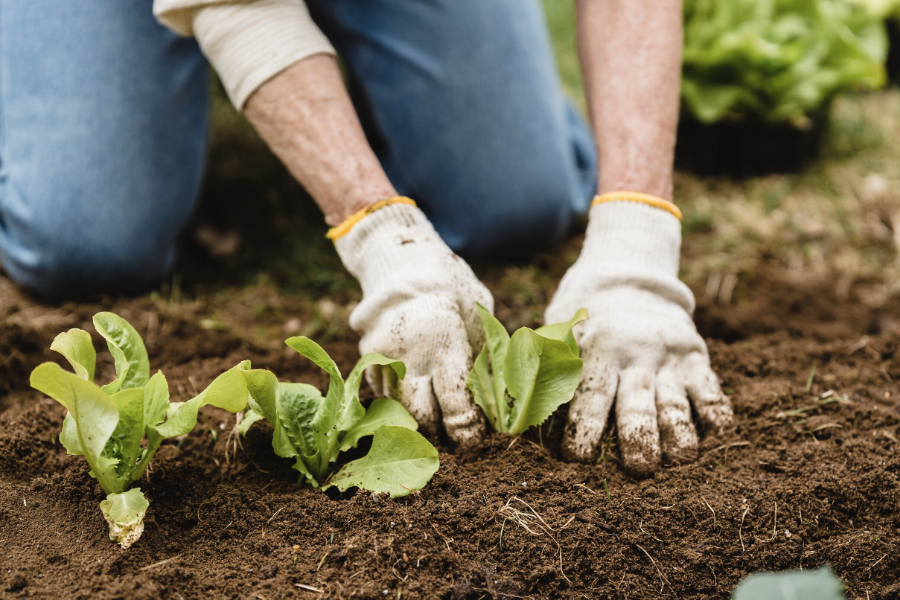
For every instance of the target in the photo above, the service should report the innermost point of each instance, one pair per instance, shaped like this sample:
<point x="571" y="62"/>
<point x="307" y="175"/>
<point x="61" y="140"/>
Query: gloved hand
<point x="419" y="307"/>
<point x="640" y="346"/>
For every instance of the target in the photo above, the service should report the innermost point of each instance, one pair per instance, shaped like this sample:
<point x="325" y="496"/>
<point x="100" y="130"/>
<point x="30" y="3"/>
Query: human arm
<point x="418" y="297"/>
<point x="640" y="346"/>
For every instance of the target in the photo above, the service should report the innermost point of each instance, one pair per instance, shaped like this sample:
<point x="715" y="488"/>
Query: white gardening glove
<point x="418" y="307"/>
<point x="640" y="346"/>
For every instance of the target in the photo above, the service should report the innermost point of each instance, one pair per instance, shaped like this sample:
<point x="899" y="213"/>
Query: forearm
<point x="631" y="60"/>
<point x="306" y="117"/>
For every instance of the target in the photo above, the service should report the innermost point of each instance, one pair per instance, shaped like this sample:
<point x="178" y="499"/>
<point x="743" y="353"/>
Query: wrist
<point x="339" y="208"/>
<point x="394" y="242"/>
<point x="625" y="236"/>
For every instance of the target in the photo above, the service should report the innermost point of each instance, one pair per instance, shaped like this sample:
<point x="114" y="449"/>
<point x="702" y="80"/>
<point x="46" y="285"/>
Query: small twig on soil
<point x="661" y="576"/>
<point x="273" y="515"/>
<point x="324" y="556"/>
<point x="309" y="588"/>
<point x="161" y="563"/>
<point x="775" y="523"/>
<point x="827" y="426"/>
<point x="396" y="574"/>
<point x="641" y="527"/>
<point x="862" y="343"/>
<point x="876" y="562"/>
<point x="715" y="523"/>
<point x="443" y="537"/>
<point x="581" y="485"/>
<point x="731" y="445"/>
<point x="741" y="530"/>
<point x="532" y="518"/>
<point x="512" y="443"/>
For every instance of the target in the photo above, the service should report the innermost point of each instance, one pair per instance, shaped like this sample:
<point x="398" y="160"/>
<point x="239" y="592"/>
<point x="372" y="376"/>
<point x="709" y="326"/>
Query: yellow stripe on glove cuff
<point x="654" y="201"/>
<point x="344" y="228"/>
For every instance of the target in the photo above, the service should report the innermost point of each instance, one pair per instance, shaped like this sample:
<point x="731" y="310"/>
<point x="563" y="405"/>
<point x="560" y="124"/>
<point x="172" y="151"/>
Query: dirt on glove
<point x="810" y="476"/>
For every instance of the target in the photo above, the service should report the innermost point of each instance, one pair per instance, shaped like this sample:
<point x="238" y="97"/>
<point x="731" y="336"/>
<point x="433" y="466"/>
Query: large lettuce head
<point x="779" y="61"/>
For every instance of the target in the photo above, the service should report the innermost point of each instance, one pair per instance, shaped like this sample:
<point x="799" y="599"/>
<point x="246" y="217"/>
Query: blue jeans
<point x="103" y="130"/>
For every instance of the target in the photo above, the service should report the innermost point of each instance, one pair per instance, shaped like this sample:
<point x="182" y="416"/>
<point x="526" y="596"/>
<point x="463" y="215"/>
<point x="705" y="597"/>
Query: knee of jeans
<point x="512" y="217"/>
<point x="69" y="265"/>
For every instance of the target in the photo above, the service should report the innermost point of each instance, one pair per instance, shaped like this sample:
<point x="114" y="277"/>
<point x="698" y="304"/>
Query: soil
<point x="810" y="476"/>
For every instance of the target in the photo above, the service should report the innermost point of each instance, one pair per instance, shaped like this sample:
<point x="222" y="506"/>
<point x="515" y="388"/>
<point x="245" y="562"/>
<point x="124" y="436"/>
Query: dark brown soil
<point x="787" y="490"/>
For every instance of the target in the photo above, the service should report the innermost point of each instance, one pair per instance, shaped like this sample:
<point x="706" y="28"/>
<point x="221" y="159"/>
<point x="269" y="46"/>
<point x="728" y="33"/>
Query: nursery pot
<point x="893" y="58"/>
<point x="746" y="148"/>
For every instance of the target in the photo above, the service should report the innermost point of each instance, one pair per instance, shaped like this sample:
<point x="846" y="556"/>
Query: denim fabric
<point x="102" y="142"/>
<point x="103" y="130"/>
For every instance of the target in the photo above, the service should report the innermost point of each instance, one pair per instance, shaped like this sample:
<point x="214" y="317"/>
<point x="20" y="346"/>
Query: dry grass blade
<point x="533" y="523"/>
<point x="309" y="588"/>
<point x="161" y="563"/>
<point x="741" y="530"/>
<point x="661" y="576"/>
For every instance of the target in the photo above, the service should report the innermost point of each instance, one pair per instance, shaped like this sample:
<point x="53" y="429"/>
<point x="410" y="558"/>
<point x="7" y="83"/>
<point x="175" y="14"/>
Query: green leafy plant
<point x="777" y="60"/>
<point x="519" y="381"/>
<point x="794" y="585"/>
<point x="882" y="9"/>
<point x="107" y="424"/>
<point x="314" y="429"/>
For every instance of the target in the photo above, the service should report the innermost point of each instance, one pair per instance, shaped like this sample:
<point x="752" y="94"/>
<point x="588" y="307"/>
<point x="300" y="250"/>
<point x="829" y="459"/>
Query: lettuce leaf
<point x="780" y="61"/>
<point x="314" y="429"/>
<point x="519" y="381"/>
<point x="108" y="424"/>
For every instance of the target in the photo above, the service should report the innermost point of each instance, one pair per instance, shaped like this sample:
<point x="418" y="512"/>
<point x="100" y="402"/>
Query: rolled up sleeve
<point x="248" y="42"/>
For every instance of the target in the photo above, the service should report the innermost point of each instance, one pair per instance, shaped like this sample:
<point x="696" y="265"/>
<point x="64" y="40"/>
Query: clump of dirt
<point x="810" y="476"/>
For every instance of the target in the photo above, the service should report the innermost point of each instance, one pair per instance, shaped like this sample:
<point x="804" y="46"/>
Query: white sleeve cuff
<point x="247" y="43"/>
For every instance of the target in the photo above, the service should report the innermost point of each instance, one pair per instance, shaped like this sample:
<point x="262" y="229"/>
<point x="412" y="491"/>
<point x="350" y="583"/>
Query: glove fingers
<point x="678" y="437"/>
<point x="713" y="407"/>
<point x="636" y="420"/>
<point x="462" y="419"/>
<point x="589" y="411"/>
<point x="417" y="397"/>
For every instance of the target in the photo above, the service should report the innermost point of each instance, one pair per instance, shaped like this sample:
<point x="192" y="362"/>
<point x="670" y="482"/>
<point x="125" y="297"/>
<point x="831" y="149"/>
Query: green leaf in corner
<point x="78" y="349"/>
<point x="400" y="461"/>
<point x="127" y="348"/>
<point x="542" y="375"/>
<point x="794" y="585"/>
<point x="563" y="331"/>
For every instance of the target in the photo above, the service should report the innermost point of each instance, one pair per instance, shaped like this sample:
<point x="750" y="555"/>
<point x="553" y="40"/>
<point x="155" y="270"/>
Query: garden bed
<point x="809" y="477"/>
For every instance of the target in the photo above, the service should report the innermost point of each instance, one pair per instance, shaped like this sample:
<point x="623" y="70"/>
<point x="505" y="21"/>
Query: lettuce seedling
<point x="518" y="382"/>
<point x="107" y="424"/>
<point x="313" y="429"/>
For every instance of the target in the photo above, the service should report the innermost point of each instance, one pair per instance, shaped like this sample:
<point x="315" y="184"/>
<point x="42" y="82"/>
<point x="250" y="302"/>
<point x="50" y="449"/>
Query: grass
<point x="838" y="221"/>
